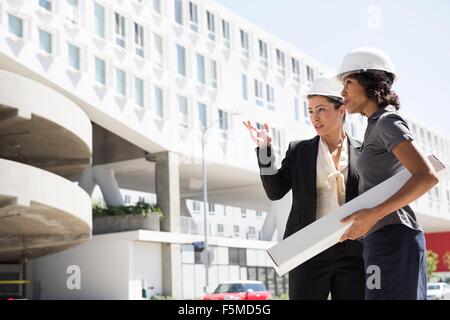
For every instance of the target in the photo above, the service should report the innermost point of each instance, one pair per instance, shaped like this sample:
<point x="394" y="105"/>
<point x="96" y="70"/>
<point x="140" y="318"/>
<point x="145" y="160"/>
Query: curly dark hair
<point x="377" y="85"/>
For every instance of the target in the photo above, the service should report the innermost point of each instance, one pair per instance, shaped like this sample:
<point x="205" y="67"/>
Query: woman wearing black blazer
<point x="321" y="173"/>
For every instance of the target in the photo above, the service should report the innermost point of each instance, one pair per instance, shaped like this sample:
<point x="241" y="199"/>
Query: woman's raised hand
<point x="260" y="137"/>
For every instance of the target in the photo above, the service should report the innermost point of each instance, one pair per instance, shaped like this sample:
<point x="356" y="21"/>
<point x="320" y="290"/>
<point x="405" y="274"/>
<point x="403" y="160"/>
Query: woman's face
<point x="324" y="116"/>
<point x="354" y="95"/>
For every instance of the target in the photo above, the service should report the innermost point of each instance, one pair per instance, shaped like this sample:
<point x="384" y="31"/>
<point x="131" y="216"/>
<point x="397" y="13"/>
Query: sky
<point x="414" y="33"/>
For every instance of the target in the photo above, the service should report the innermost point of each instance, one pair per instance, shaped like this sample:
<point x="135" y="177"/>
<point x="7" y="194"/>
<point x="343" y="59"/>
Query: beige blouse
<point x="330" y="182"/>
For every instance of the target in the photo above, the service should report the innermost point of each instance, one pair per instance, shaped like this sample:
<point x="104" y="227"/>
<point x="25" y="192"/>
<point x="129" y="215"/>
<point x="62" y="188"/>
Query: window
<point x="306" y="113"/>
<point x="296" y="109"/>
<point x="181" y="59"/>
<point x="211" y="23"/>
<point x="139" y="91"/>
<point x="121" y="82"/>
<point x="15" y="25"/>
<point x="46" y="4"/>
<point x="244" y="87"/>
<point x="226" y="34"/>
<point x="179" y="11"/>
<point x="72" y="11"/>
<point x="281" y="62"/>
<point x="259" y="92"/>
<point x="295" y="69"/>
<point x="245" y="44"/>
<point x="243" y="213"/>
<point x="100" y="71"/>
<point x="202" y="115"/>
<point x="223" y="124"/>
<point x="159" y="102"/>
<point x="183" y="110"/>
<point x="139" y="39"/>
<point x="263" y="54"/>
<point x="220" y="228"/>
<point x="237" y="256"/>
<point x="159" y="52"/>
<point x="120" y="30"/>
<point x="214" y="75"/>
<point x="270" y="96"/>
<point x="99" y="12"/>
<point x="259" y="215"/>
<point x="74" y="56"/>
<point x="309" y="73"/>
<point x="252" y="230"/>
<point x="196" y="206"/>
<point x="276" y="141"/>
<point x="211" y="207"/>
<point x="201" y="70"/>
<point x="45" y="41"/>
<point x="141" y="199"/>
<point x="127" y="199"/>
<point x="157" y="6"/>
<point x="193" y="16"/>
<point x="236" y="230"/>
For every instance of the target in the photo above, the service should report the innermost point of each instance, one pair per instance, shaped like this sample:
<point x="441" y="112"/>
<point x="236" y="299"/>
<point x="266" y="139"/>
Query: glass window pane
<point x="179" y="11"/>
<point x="181" y="54"/>
<point x="45" y="41"/>
<point x="159" y="102"/>
<point x="100" y="71"/>
<point x="99" y="20"/>
<point x="121" y="82"/>
<point x="15" y="25"/>
<point x="139" y="91"/>
<point x="46" y="4"/>
<point x="202" y="115"/>
<point x="74" y="56"/>
<point x="201" y="72"/>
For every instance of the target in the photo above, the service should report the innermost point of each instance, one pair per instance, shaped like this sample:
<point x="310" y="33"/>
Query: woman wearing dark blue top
<point x="394" y="244"/>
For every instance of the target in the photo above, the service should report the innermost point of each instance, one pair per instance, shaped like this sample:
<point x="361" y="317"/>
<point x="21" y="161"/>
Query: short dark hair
<point x="378" y="87"/>
<point x="337" y="102"/>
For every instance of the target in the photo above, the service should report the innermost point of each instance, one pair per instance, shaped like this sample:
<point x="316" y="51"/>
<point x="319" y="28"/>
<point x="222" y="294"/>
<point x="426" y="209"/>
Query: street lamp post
<point x="206" y="255"/>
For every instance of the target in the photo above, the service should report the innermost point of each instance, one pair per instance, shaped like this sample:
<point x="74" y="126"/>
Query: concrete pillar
<point x="167" y="180"/>
<point x="167" y="187"/>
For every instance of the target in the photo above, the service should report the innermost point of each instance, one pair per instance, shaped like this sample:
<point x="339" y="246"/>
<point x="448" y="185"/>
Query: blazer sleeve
<point x="276" y="182"/>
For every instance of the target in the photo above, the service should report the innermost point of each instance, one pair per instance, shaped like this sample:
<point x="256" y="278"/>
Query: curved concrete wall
<point x="33" y="98"/>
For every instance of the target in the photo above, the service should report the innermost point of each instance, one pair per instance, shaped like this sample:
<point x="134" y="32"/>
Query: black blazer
<point x="298" y="172"/>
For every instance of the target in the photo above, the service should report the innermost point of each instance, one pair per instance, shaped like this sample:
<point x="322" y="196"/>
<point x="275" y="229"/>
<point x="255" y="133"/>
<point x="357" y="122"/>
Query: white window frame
<point x="178" y="15"/>
<point x="120" y="30"/>
<point x="139" y="39"/>
<point x="281" y="62"/>
<point x="199" y="106"/>
<point x="157" y="6"/>
<point x="22" y="26"/>
<point x="79" y="68"/>
<point x="295" y="65"/>
<point x="270" y="97"/>
<point x="211" y="25"/>
<point x="181" y="69"/>
<point x="214" y="74"/>
<point x="244" y="37"/>
<point x="201" y="72"/>
<point x="183" y="117"/>
<point x="263" y="53"/>
<point x="158" y="40"/>
<point x="244" y="87"/>
<point x="105" y="70"/>
<point x="101" y="32"/>
<point x="223" y="124"/>
<point x="193" y="16"/>
<point x="259" y="92"/>
<point x="136" y="98"/>
<point x="159" y="100"/>
<point x="116" y="82"/>
<point x="309" y="74"/>
<point x="52" y="42"/>
<point x="226" y="34"/>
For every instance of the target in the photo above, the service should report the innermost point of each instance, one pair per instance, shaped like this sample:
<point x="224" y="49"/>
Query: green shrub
<point x="142" y="208"/>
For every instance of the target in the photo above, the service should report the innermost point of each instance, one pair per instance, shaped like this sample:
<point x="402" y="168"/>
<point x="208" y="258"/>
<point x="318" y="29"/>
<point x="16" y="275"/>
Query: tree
<point x="432" y="262"/>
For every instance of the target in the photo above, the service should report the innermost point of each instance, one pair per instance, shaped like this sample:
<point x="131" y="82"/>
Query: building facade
<point x="134" y="83"/>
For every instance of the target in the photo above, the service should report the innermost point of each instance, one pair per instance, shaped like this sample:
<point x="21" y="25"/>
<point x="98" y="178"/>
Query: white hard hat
<point x="364" y="59"/>
<point x="327" y="86"/>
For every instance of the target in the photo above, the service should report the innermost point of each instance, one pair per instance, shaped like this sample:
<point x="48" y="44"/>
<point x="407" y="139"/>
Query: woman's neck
<point x="370" y="108"/>
<point x="335" y="140"/>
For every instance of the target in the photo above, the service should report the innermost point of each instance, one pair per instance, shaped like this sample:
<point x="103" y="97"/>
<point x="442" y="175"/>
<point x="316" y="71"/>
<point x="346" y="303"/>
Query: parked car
<point x="239" y="290"/>
<point x="438" y="291"/>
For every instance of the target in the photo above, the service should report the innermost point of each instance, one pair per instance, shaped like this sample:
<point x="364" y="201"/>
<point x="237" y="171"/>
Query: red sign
<point x="440" y="243"/>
